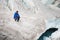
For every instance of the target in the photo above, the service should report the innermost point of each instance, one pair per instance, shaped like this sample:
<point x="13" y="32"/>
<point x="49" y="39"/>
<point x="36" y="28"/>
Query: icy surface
<point x="34" y="17"/>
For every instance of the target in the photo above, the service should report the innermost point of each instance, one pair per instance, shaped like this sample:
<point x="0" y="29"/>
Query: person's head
<point x="17" y="11"/>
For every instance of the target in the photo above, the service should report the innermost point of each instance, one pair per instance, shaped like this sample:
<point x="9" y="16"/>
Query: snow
<point x="47" y="38"/>
<point x="56" y="35"/>
<point x="35" y="17"/>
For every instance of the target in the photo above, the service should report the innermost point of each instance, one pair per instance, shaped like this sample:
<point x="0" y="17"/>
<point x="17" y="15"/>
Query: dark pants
<point x="17" y="19"/>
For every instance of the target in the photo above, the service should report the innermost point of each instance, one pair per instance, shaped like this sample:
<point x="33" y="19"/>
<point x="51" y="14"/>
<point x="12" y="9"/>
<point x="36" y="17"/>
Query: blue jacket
<point x="16" y="15"/>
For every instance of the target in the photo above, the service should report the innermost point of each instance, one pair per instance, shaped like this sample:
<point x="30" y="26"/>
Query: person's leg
<point x="17" y="19"/>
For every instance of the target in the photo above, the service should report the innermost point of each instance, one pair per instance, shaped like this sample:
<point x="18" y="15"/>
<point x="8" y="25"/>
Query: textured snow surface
<point x="34" y="18"/>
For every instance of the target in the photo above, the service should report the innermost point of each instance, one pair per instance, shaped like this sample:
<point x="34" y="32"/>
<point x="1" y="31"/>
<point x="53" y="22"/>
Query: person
<point x="16" y="16"/>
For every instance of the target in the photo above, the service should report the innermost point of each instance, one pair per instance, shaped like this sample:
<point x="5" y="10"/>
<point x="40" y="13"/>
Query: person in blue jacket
<point x="16" y="16"/>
